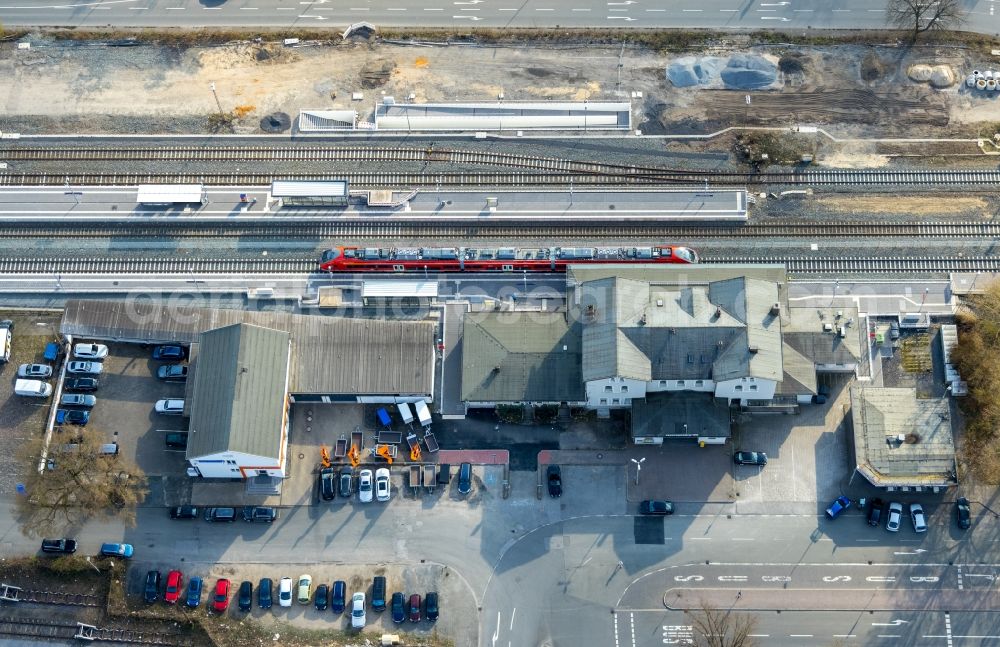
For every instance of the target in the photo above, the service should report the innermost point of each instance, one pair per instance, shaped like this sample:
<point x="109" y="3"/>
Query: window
<point x="663" y="382"/>
<point x="625" y="389"/>
<point x="739" y="387"/>
<point x="615" y="401"/>
<point x="604" y="400"/>
<point x="752" y="379"/>
<point x="699" y="382"/>
<point x="627" y="401"/>
<point x="753" y="387"/>
<point x="607" y="388"/>
<point x="680" y="382"/>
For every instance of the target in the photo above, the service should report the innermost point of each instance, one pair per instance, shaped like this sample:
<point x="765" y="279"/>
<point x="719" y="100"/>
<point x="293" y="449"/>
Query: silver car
<point x="918" y="518"/>
<point x="358" y="610"/>
<point x="895" y="515"/>
<point x="77" y="400"/>
<point x="34" y="370"/>
<point x="85" y="368"/>
<point x="365" y="486"/>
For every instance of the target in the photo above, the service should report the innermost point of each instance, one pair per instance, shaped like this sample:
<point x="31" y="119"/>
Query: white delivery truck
<point x="404" y="412"/>
<point x="33" y="388"/>
<point x="423" y="413"/>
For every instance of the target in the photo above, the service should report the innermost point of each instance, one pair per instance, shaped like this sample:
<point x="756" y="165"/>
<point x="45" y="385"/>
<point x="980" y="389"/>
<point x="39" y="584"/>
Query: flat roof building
<point x="901" y="440"/>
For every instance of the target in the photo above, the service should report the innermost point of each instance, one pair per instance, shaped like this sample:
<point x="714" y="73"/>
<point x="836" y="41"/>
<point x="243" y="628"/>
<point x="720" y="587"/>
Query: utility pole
<point x="216" y="95"/>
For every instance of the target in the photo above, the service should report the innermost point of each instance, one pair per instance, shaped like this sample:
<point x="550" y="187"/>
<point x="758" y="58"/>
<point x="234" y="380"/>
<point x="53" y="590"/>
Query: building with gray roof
<point x="527" y="357"/>
<point x="239" y="410"/>
<point x="901" y="440"/>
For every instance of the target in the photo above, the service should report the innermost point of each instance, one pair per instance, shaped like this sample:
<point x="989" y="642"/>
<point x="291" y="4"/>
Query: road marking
<point x="496" y="632"/>
<point x="759" y="635"/>
<point x="889" y="636"/>
<point x="616" y="629"/>
<point x="800" y="635"/>
<point x="742" y="539"/>
<point x="733" y="578"/>
<point x="654" y="10"/>
<point x="544" y="9"/>
<point x="879" y="578"/>
<point x="776" y="578"/>
<point x="927" y="578"/>
<point x="847" y="635"/>
<point x="439" y="9"/>
<point x="894" y="623"/>
<point x="692" y="10"/>
<point x="512" y="618"/>
<point x="249" y="8"/>
<point x="175" y="8"/>
<point x="581" y="9"/>
<point x="631" y="619"/>
<point x="959" y="578"/>
<point x="947" y="626"/>
<point x="397" y="9"/>
<point x="868" y="540"/>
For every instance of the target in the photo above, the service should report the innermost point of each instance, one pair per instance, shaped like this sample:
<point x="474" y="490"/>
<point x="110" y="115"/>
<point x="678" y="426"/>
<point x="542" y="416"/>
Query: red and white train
<point x="502" y="259"/>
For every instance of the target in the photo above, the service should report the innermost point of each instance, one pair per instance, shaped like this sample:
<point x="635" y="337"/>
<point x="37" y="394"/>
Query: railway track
<point x="47" y="629"/>
<point x="59" y="598"/>
<point x="631" y="233"/>
<point x="547" y="171"/>
<point x="795" y="265"/>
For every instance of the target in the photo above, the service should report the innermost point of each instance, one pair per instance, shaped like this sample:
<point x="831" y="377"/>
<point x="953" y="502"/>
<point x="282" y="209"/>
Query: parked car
<point x="264" y="593"/>
<point x="35" y="371"/>
<point x="169" y="407"/>
<point x="227" y="515"/>
<point x="346" y="482"/>
<point x="176" y="440"/>
<point x="893" y="330"/>
<point x="175" y="583"/>
<point x="383" y="490"/>
<point x="81" y="384"/>
<point x="85" y="368"/>
<point x="77" y="400"/>
<point x="117" y="550"/>
<point x="151" y="590"/>
<point x="750" y="458"/>
<point x="875" y="512"/>
<point x="895" y="515"/>
<point x="964" y="513"/>
<point x="554" y="478"/>
<point x="378" y="593"/>
<point x="839" y="505"/>
<point x="220" y="599"/>
<point x="245" y="595"/>
<point x="918" y="518"/>
<point x="358" y="610"/>
<point x="322" y="599"/>
<point x="64" y="546"/>
<point x="259" y="514"/>
<point x="172" y="373"/>
<point x="169" y="352"/>
<point x="338" y="596"/>
<point x="365" y="486"/>
<point x="415" y="607"/>
<point x="72" y="417"/>
<point x="656" y="507"/>
<point x="194" y="592"/>
<point x="328" y="483"/>
<point x="465" y="478"/>
<point x="305" y="588"/>
<point x="285" y="592"/>
<point x="398" y="607"/>
<point x="90" y="351"/>
<point x="184" y="512"/>
<point x="431" y="606"/>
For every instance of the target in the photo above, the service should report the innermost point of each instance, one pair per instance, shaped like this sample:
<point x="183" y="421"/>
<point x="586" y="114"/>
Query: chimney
<point x="718" y="312"/>
<point x="775" y="310"/>
<point x="753" y="350"/>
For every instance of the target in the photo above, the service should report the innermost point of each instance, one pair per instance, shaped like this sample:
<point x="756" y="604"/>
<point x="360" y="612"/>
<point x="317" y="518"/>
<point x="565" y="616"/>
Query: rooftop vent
<point x="718" y="312"/>
<point x="753" y="349"/>
<point x="775" y="310"/>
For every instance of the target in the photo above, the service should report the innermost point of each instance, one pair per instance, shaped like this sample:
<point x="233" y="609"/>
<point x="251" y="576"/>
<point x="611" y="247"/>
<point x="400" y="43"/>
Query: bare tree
<point x="919" y="16"/>
<point x="722" y="627"/>
<point x="78" y="483"/>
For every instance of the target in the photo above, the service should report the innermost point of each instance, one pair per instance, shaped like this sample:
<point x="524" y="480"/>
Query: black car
<point x="172" y="373"/>
<point x="81" y="384"/>
<point x="264" y="593"/>
<point x="398" y="607"/>
<point x="64" y="546"/>
<point x="750" y="458"/>
<point x="259" y="514"/>
<point x="338" y="597"/>
<point x="245" y="595"/>
<point x="184" y="512"/>
<point x="554" y="477"/>
<point x="177" y="440"/>
<point x="169" y="352"/>
<point x="152" y="589"/>
<point x="964" y="513"/>
<point x="656" y="507"/>
<point x="875" y="512"/>
<point x="322" y="599"/>
<point x="327" y="484"/>
<point x="431" y="606"/>
<point x="346" y="482"/>
<point x="465" y="478"/>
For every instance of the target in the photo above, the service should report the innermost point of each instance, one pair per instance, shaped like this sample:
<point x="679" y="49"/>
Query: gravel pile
<point x="694" y="70"/>
<point x="738" y="72"/>
<point x="749" y="72"/>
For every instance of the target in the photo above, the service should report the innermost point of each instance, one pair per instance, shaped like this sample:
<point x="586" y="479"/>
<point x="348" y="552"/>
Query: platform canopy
<point x="388" y="289"/>
<point x="169" y="193"/>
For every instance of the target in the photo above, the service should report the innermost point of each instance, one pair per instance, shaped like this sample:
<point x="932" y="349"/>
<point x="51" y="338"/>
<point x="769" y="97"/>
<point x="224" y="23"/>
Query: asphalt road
<point x="714" y="14"/>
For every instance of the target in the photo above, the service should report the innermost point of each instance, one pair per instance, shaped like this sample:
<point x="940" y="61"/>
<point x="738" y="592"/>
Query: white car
<point x="90" y="351"/>
<point x="169" y="407"/>
<point x="285" y="592"/>
<point x="382" y="487"/>
<point x="917" y="515"/>
<point x="358" y="611"/>
<point x="365" y="486"/>
<point x="895" y="514"/>
<point x="85" y="368"/>
<point x="37" y="371"/>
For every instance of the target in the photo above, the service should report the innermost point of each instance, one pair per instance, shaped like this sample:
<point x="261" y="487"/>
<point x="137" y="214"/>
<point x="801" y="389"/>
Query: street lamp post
<point x="638" y="467"/>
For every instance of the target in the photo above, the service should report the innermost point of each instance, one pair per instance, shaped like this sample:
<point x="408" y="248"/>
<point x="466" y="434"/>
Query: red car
<point x="174" y="587"/>
<point x="220" y="600"/>
<point x="415" y="607"/>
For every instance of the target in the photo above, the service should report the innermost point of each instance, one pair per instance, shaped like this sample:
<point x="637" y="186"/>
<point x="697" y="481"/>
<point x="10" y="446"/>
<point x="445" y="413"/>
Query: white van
<point x="33" y="388"/>
<point x="5" y="339"/>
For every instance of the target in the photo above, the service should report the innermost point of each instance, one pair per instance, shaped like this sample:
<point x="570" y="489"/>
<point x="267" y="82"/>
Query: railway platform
<point x="255" y="204"/>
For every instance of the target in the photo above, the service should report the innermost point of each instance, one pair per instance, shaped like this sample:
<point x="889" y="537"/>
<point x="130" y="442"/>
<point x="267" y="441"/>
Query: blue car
<point x="842" y="503"/>
<point x="72" y="417"/>
<point x="169" y="352"/>
<point x="116" y="550"/>
<point x="194" y="592"/>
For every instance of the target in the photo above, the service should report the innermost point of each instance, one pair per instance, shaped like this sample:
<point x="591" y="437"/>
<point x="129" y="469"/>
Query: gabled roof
<point x="239" y="392"/>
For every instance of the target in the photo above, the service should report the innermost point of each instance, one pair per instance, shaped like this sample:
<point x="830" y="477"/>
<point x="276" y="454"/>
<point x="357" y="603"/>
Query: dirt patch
<point x="872" y="68"/>
<point x="376" y="73"/>
<point x="902" y="205"/>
